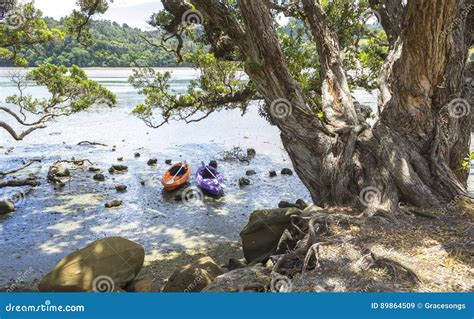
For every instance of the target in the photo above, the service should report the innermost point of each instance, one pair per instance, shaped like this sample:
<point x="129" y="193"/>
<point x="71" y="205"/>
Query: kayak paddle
<point x="171" y="181"/>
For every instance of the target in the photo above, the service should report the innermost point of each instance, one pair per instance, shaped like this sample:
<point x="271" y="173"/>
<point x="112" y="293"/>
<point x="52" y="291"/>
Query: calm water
<point x="50" y="223"/>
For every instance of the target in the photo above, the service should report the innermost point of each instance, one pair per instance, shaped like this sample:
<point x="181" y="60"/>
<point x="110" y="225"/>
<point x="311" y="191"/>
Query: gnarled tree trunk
<point x="412" y="153"/>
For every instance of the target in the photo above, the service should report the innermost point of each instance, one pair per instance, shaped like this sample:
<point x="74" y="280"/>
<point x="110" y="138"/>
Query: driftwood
<point x="91" y="143"/>
<point x="29" y="163"/>
<point x="19" y="182"/>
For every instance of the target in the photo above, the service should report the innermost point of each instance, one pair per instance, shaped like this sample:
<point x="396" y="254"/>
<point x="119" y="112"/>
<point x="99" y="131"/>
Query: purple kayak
<point x="209" y="180"/>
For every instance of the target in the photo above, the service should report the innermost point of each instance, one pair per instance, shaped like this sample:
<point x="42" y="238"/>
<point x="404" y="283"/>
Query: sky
<point x="135" y="13"/>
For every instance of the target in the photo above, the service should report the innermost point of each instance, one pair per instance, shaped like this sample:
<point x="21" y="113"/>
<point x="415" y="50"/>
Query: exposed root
<point x="314" y="251"/>
<point x="417" y="212"/>
<point x="310" y="233"/>
<point x="395" y="267"/>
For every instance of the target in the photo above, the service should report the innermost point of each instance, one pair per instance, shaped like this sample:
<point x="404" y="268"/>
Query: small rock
<point x="6" y="207"/>
<point x="168" y="162"/>
<point x="272" y="173"/>
<point x="250" y="172"/>
<point x="111" y="170"/>
<point x="244" y="181"/>
<point x="152" y="162"/>
<point x="286" y="171"/>
<point x="114" y="203"/>
<point x="120" y="168"/>
<point x="94" y="169"/>
<point x="137" y="155"/>
<point x="62" y="171"/>
<point x="234" y="264"/>
<point x="142" y="183"/>
<point x="120" y="159"/>
<point x="145" y="284"/>
<point x="285" y="204"/>
<point x="251" y="152"/>
<point x="99" y="177"/>
<point x="121" y="188"/>
<point x="193" y="277"/>
<point x="301" y="203"/>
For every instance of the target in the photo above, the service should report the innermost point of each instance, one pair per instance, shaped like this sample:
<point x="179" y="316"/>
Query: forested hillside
<point x="114" y="45"/>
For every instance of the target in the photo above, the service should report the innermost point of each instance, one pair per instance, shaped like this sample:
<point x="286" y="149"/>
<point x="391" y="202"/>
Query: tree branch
<point x="22" y="135"/>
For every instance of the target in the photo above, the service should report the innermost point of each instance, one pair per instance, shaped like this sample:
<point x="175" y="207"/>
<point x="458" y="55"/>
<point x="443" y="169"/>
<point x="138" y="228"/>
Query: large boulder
<point x="6" y="207"/>
<point x="193" y="277"/>
<point x="108" y="265"/>
<point x="263" y="232"/>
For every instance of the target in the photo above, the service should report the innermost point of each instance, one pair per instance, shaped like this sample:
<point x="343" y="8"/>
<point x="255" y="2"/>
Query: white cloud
<point x="133" y="12"/>
<point x="51" y="8"/>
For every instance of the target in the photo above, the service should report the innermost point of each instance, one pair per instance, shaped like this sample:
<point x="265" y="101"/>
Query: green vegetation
<point x="114" y="45"/>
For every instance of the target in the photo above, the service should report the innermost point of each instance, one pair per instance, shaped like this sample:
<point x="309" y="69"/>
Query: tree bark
<point x="411" y="153"/>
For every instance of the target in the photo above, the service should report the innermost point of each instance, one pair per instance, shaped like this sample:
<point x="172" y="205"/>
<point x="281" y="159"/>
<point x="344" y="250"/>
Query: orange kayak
<point x="176" y="176"/>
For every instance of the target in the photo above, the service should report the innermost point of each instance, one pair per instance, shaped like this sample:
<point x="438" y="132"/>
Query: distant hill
<point x="114" y="45"/>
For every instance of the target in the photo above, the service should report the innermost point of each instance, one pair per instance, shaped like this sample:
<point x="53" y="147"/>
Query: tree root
<point x="309" y="233"/>
<point x="314" y="251"/>
<point x="395" y="267"/>
<point x="417" y="212"/>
